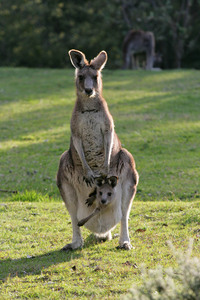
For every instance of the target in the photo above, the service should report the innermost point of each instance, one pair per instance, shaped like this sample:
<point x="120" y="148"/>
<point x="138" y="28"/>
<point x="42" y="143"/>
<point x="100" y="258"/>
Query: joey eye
<point x="109" y="194"/>
<point x="95" y="77"/>
<point x="100" y="193"/>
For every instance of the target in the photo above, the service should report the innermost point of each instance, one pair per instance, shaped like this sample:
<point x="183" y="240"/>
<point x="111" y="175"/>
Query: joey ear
<point x="113" y="181"/>
<point x="99" y="62"/>
<point x="77" y="58"/>
<point x="99" y="181"/>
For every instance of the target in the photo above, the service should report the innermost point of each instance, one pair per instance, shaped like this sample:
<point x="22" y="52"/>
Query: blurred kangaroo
<point x="138" y="42"/>
<point x="139" y="60"/>
<point x="94" y="149"/>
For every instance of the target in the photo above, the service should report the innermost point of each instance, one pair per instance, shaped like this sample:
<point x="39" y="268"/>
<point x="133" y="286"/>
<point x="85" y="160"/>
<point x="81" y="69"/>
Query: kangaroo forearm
<point x="79" y="148"/>
<point x="108" y="145"/>
<point x="85" y="220"/>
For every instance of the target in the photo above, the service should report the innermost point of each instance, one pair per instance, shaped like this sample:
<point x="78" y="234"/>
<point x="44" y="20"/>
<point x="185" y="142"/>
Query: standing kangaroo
<point x="94" y="150"/>
<point x="138" y="42"/>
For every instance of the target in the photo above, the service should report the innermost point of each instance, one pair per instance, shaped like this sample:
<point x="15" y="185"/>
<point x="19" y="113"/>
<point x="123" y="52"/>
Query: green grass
<point x="32" y="265"/>
<point x="157" y="117"/>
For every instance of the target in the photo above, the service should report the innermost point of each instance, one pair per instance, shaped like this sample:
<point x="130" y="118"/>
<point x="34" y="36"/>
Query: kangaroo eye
<point x="95" y="77"/>
<point x="109" y="194"/>
<point x="100" y="193"/>
<point x="80" y="77"/>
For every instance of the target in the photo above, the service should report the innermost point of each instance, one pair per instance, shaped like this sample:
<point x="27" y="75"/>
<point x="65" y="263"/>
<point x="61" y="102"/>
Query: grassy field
<point x="157" y="117"/>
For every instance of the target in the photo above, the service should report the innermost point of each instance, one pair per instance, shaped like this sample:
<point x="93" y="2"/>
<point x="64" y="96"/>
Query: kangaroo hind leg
<point x="69" y="196"/>
<point x="129" y="186"/>
<point x="127" y="198"/>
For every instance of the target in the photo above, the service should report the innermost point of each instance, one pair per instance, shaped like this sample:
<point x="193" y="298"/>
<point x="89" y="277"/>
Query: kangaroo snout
<point x="89" y="91"/>
<point x="103" y="201"/>
<point x="106" y="195"/>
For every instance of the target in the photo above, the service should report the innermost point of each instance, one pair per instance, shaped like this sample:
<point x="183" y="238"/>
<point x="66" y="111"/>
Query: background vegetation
<point x="38" y="33"/>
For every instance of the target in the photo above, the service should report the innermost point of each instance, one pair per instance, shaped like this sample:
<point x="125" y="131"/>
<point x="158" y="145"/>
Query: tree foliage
<point x="38" y="33"/>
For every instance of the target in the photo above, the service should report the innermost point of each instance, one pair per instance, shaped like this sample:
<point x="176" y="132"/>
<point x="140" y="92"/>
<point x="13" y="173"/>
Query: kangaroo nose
<point x="88" y="91"/>
<point x="103" y="201"/>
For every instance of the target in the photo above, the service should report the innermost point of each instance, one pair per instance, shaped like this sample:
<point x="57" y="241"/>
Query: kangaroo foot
<point x="125" y="246"/>
<point x="73" y="246"/>
<point x="104" y="237"/>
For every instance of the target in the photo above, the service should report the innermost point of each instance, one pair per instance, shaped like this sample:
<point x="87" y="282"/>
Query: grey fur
<point x="138" y="42"/>
<point x="94" y="149"/>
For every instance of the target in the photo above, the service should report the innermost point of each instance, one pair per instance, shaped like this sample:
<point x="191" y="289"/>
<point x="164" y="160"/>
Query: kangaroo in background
<point x="138" y="42"/>
<point x="94" y="149"/>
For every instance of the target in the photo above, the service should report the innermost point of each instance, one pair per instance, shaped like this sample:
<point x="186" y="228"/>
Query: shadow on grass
<point x="33" y="265"/>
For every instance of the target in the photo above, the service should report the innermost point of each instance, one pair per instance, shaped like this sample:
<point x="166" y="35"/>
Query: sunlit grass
<point x="37" y="137"/>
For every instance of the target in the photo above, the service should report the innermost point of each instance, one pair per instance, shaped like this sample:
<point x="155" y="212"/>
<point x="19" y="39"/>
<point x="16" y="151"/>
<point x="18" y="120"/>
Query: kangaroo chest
<point x="91" y="129"/>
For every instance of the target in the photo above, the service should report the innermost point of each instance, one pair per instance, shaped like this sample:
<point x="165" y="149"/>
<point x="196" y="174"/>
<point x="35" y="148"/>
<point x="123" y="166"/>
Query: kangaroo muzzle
<point x="89" y="86"/>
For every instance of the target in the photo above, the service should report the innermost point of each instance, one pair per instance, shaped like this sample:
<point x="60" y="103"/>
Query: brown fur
<point x="138" y="42"/>
<point x="94" y="149"/>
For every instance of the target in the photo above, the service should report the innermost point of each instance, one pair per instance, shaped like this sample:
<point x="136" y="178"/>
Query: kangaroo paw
<point x="72" y="246"/>
<point x="90" y="200"/>
<point x="125" y="246"/>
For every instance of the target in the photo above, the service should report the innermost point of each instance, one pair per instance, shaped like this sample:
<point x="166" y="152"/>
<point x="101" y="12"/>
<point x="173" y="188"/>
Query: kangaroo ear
<point x="99" y="181"/>
<point x="113" y="181"/>
<point x="99" y="62"/>
<point x="77" y="58"/>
